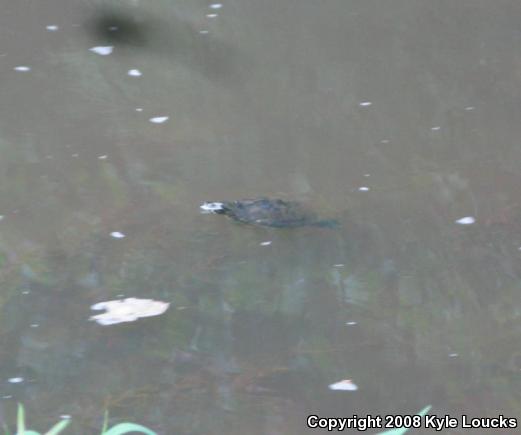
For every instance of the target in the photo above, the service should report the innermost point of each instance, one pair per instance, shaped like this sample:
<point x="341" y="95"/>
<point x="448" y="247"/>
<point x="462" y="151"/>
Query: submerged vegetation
<point x="58" y="428"/>
<point x="401" y="431"/>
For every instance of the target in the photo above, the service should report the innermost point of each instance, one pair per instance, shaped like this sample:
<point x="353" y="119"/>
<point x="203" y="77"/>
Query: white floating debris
<point x="351" y="323"/>
<point x="2" y="217"/>
<point x="367" y="175"/>
<point x="216" y="6"/>
<point x="34" y="325"/>
<point x="102" y="50"/>
<point x="7" y="397"/>
<point x="211" y="15"/>
<point x="139" y="109"/>
<point x="103" y="157"/>
<point x="467" y="220"/>
<point x="436" y="128"/>
<point x="345" y="385"/>
<point x="365" y="103"/>
<point x="26" y="292"/>
<point x="127" y="310"/>
<point x="22" y="68"/>
<point x="363" y="189"/>
<point x="384" y="141"/>
<point x="159" y="119"/>
<point x="469" y="108"/>
<point x="65" y="417"/>
<point x="134" y="73"/>
<point x="52" y="28"/>
<point x="266" y="243"/>
<point x="338" y="265"/>
<point x="15" y="380"/>
<point x="453" y="355"/>
<point x="117" y="235"/>
<point x="203" y="32"/>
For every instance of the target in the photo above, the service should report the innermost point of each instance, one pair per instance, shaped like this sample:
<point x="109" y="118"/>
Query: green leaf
<point x="105" y="422"/>
<point x="58" y="427"/>
<point x="20" y="420"/>
<point x="20" y="423"/>
<point x="401" y="431"/>
<point x="124" y="428"/>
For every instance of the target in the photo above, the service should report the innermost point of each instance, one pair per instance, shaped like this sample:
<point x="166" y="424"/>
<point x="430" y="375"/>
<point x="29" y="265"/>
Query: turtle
<point x="277" y="213"/>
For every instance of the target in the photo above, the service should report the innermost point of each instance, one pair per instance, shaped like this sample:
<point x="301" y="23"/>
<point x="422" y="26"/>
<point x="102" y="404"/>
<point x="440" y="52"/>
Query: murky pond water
<point x="398" y="119"/>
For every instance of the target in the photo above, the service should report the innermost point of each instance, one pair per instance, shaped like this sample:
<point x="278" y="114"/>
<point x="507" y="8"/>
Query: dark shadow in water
<point x="121" y="28"/>
<point x="175" y="39"/>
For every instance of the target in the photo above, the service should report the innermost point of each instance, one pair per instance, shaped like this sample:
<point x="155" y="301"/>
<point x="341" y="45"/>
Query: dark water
<point x="415" y="308"/>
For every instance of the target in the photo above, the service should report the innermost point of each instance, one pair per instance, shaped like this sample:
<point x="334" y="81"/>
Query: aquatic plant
<point x="58" y="428"/>
<point x="401" y="431"/>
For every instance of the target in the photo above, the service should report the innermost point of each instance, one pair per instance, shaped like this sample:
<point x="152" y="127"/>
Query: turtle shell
<point x="271" y="213"/>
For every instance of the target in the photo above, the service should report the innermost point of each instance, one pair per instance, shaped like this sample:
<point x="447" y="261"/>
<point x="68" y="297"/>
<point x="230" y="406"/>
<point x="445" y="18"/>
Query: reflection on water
<point x="399" y="120"/>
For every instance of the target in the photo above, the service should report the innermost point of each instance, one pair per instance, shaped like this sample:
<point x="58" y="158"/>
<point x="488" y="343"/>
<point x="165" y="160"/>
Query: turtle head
<point x="212" y="207"/>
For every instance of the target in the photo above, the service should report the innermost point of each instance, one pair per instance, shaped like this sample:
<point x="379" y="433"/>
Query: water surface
<point x="396" y="118"/>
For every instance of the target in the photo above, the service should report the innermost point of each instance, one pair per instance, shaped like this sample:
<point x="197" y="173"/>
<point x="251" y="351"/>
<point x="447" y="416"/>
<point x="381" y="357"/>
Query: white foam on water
<point x="211" y="15"/>
<point x="15" y="380"/>
<point x="345" y="385"/>
<point x="365" y="103"/>
<point x="117" y="235"/>
<point x="159" y="119"/>
<point x="436" y="128"/>
<point x="103" y="157"/>
<point x="266" y="243"/>
<point x="22" y="68"/>
<point x="52" y="28"/>
<point x="216" y="6"/>
<point x="134" y="73"/>
<point x="467" y="220"/>
<point x="102" y="50"/>
<point x="363" y="189"/>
